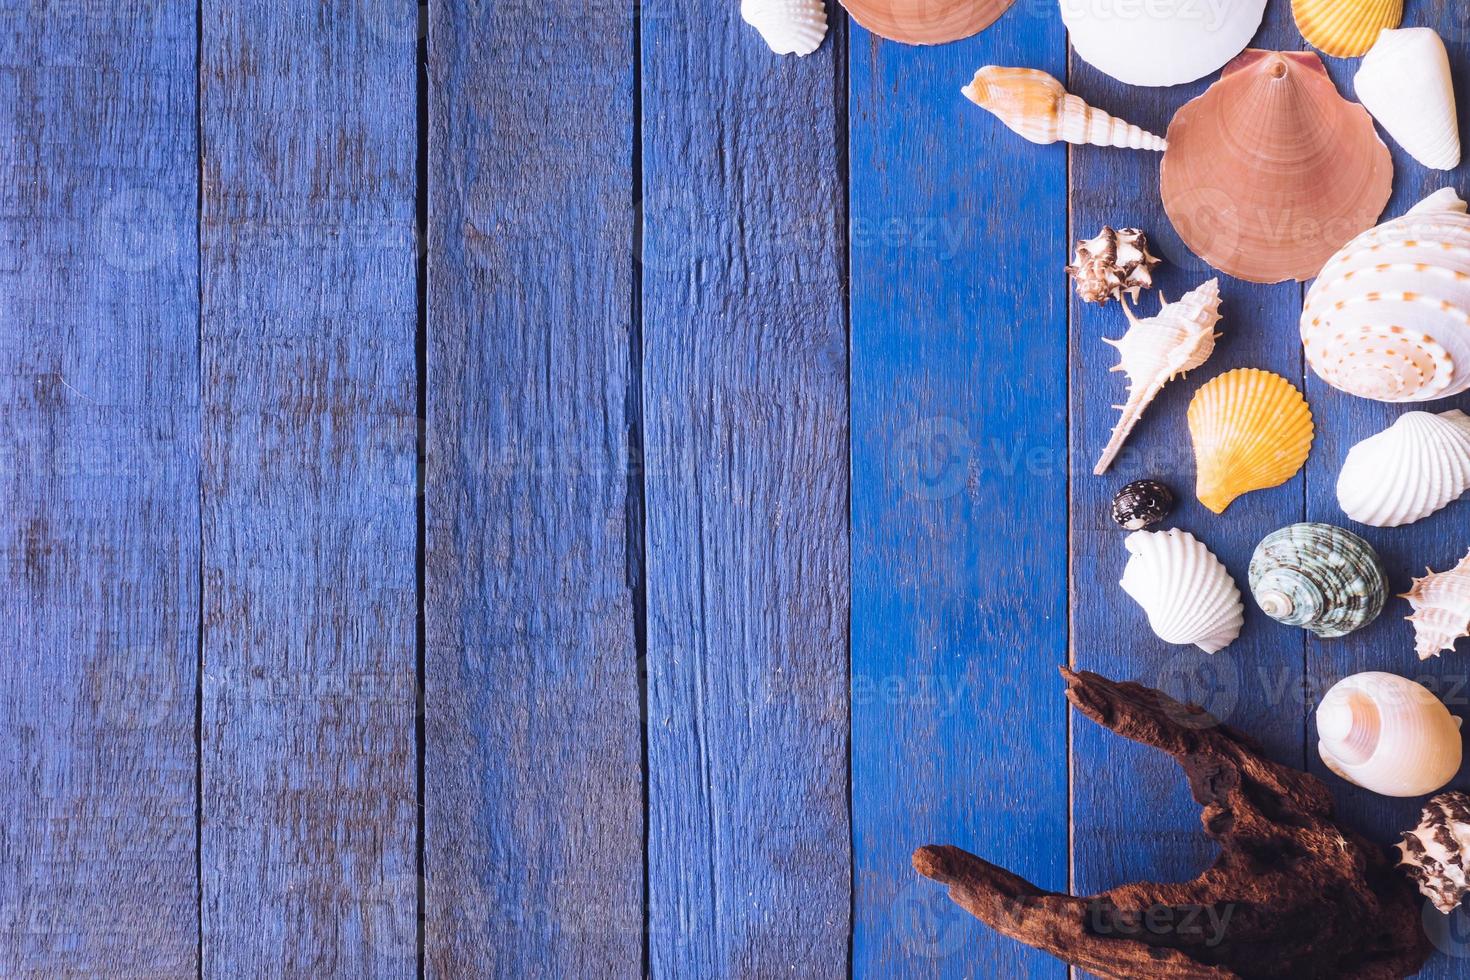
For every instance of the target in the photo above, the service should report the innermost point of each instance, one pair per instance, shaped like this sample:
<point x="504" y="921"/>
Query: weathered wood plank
<point x="959" y="496"/>
<point x="745" y="396"/>
<point x="309" y="319"/>
<point x="99" y="556"/>
<point x="533" y="787"/>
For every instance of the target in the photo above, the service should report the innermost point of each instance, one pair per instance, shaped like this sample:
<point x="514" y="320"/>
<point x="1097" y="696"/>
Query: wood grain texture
<point x="1132" y="818"/>
<point x="745" y="396"/>
<point x="1438" y="541"/>
<point x="308" y="325"/>
<point x="533" y="788"/>
<point x="959" y="504"/>
<point x="99" y="559"/>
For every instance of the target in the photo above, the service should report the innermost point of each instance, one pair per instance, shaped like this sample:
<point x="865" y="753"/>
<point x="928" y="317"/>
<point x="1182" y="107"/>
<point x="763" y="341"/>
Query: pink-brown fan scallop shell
<point x="1271" y="171"/>
<point x="926" y="21"/>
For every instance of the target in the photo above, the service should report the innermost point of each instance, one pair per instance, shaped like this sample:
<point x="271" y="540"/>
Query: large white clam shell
<point x="1185" y="590"/>
<point x="1389" y="735"/>
<point x="1412" y="469"/>
<point x="788" y="26"/>
<point x="1162" y="42"/>
<point x="1405" y="83"/>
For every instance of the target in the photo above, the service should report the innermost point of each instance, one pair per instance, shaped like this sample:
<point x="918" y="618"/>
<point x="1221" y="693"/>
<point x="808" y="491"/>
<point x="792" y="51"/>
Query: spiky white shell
<point x="1405" y="83"/>
<point x="1436" y="852"/>
<point x="1165" y="42"/>
<point x="1389" y="735"/>
<point x="1389" y="316"/>
<point x="1441" y="602"/>
<point x="1412" y="469"/>
<point x="788" y="26"/>
<point x="1185" y="590"/>
<point x="1155" y="351"/>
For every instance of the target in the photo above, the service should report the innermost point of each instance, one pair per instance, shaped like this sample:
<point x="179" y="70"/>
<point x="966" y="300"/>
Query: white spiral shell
<point x="788" y="26"/>
<point x="1389" y="316"/>
<point x="1185" y="590"/>
<point x="1415" y="467"/>
<point x="1405" y="83"/>
<point x="1389" y="735"/>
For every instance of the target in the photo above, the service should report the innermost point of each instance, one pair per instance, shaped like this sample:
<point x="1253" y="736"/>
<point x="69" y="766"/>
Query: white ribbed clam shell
<point x="1389" y="735"/>
<point x="1389" y="316"/>
<point x="1415" y="467"/>
<point x="788" y="26"/>
<point x="1405" y="83"/>
<point x="1441" y="602"/>
<point x="1185" y="590"/>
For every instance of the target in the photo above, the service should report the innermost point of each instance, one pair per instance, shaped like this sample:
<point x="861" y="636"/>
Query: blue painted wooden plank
<point x="745" y="397"/>
<point x="99" y="557"/>
<point x="308" y="325"/>
<point x="533" y="786"/>
<point x="1439" y="541"/>
<point x="1133" y="817"/>
<point x="959" y="496"/>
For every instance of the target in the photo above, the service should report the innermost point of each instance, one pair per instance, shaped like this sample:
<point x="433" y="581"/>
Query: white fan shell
<point x="1185" y="590"/>
<point x="1415" y="467"/>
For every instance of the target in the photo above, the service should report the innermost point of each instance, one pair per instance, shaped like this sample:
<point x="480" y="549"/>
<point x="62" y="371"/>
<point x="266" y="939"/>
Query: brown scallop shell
<point x="1271" y="171"/>
<point x="926" y="21"/>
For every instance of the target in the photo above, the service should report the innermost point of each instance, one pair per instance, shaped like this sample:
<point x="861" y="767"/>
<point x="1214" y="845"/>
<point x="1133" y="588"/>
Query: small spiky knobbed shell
<point x="1252" y="430"/>
<point x="1345" y="28"/>
<point x="1434" y="853"/>
<point x="1178" y="339"/>
<point x="1441" y="602"/>
<point x="1037" y="107"/>
<point x="1113" y="263"/>
<point x="1318" y="577"/>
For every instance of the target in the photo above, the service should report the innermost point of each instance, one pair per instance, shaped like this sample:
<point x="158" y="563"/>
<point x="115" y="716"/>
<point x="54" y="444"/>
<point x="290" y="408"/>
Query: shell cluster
<point x="1185" y="590"/>
<point x="1405" y="83"/>
<point x="1415" y="467"/>
<point x="788" y="26"/>
<point x="1160" y="44"/>
<point x="1141" y="504"/>
<point x="1038" y="108"/>
<point x="1111" y="264"/>
<point x="1436" y="852"/>
<point x="1252" y="430"/>
<point x="1389" y="735"/>
<point x="1318" y="577"/>
<point x="1441" y="603"/>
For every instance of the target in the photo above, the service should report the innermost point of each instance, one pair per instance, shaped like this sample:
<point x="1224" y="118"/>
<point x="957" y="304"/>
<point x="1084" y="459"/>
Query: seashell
<point x="1441" y="602"/>
<point x="1113" y="263"/>
<point x="1141" y="504"/>
<point x="1252" y="430"/>
<point x="1270" y="170"/>
<point x="1412" y="469"/>
<point x="1165" y="42"/>
<point x="1436" y="852"/>
<point x="1155" y="351"/>
<point x="1038" y="107"/>
<point x="1405" y="83"/>
<point x="1318" y="577"/>
<point x="1389" y="735"/>
<point x="926" y="21"/>
<point x="1185" y="590"/>
<point x="788" y="26"/>
<point x="1345" y="28"/>
<point x="1389" y="317"/>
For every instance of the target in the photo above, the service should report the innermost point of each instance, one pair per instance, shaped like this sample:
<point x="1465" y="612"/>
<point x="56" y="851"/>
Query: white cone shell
<point x="1185" y="590"/>
<point x="788" y="26"/>
<point x="1405" y="83"/>
<point x="1415" y="467"/>
<point x="1389" y="735"/>
<point x="1389" y="316"/>
<point x="1441" y="603"/>
<point x="1162" y="42"/>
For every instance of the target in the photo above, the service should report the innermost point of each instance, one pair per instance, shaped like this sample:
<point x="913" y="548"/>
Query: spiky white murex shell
<point x="1405" y="83"/>
<point x="788" y="26"/>
<point x="1389" y="316"/>
<point x="1163" y="42"/>
<point x="1155" y="351"/>
<point x="1412" y="469"/>
<point x="1185" y="590"/>
<point x="1441" y="602"/>
<point x="1389" y="735"/>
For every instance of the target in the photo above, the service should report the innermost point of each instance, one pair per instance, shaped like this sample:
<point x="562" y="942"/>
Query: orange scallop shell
<point x="1271" y="171"/>
<point x="926" y="21"/>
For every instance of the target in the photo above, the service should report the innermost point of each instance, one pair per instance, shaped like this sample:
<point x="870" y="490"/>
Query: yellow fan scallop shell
<point x="1251" y="429"/>
<point x="1345" y="28"/>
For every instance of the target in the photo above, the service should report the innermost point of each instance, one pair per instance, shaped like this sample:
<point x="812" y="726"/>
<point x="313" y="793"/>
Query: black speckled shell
<point x="1141" y="504"/>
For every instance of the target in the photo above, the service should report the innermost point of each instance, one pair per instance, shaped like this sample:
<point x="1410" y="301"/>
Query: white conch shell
<point x="1389" y="735"/>
<point x="1155" y="351"/>
<point x="1037" y="106"/>
<point x="1415" y="467"/>
<point x="1441" y="602"/>
<point x="788" y="26"/>
<point x="1185" y="590"/>
<point x="1405" y="83"/>
<point x="1389" y="316"/>
<point x="1163" y="42"/>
